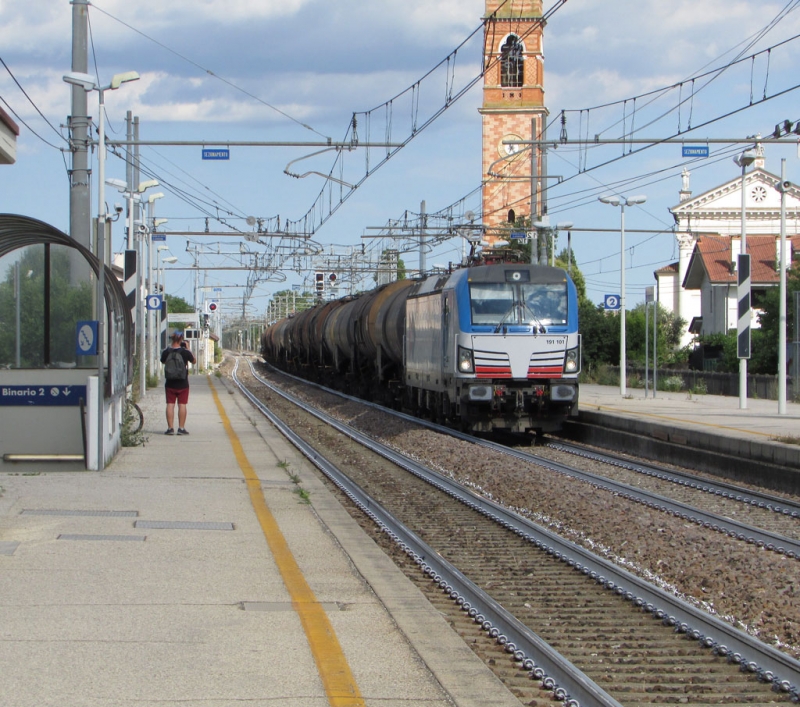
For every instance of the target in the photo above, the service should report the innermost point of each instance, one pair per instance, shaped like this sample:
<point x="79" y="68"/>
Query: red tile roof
<point x="716" y="256"/>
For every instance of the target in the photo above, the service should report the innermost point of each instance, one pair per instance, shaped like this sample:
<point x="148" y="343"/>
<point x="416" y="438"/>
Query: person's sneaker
<point x="182" y="431"/>
<point x="170" y="431"/>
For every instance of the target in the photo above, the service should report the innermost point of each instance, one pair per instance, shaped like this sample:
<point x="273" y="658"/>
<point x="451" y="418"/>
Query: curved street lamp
<point x="622" y="202"/>
<point x="87" y="82"/>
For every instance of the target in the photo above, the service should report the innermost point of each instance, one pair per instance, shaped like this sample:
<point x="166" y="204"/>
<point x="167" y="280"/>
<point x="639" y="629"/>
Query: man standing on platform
<point x="176" y="359"/>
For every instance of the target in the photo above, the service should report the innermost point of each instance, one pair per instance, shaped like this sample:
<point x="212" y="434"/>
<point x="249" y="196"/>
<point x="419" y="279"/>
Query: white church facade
<point x="701" y="287"/>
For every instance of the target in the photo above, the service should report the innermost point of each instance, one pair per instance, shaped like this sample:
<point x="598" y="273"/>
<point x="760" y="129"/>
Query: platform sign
<point x="86" y="338"/>
<point x="158" y="237"/>
<point x="518" y="235"/>
<point x="216" y="154"/>
<point x="612" y="302"/>
<point x="154" y="303"/>
<point x="694" y="151"/>
<point x="61" y="395"/>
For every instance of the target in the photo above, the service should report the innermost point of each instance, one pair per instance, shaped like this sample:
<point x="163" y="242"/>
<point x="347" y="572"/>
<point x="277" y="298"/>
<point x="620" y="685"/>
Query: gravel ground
<point x="754" y="589"/>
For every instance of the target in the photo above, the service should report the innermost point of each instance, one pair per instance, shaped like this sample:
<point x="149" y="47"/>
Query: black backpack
<point x="175" y="366"/>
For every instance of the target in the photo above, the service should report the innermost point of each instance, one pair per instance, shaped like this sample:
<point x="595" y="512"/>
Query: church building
<point x="701" y="287"/>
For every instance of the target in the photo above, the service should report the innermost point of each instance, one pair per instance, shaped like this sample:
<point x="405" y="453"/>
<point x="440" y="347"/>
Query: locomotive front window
<point x="546" y="304"/>
<point x="492" y="303"/>
<point x="525" y="304"/>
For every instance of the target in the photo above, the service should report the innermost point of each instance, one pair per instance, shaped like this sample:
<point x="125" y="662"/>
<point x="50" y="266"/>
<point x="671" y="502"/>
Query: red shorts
<point x="181" y="396"/>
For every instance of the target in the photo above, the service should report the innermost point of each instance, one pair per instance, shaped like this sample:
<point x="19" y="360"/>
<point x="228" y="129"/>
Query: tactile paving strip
<point x="138" y="538"/>
<point x="181" y="525"/>
<point x="65" y="512"/>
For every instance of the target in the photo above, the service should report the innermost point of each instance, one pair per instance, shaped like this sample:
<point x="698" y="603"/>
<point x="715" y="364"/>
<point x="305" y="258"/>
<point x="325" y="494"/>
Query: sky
<point x="298" y="70"/>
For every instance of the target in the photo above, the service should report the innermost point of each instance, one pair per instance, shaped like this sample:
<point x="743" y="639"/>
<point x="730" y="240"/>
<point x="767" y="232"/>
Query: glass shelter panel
<point x="22" y="308"/>
<point x="42" y="297"/>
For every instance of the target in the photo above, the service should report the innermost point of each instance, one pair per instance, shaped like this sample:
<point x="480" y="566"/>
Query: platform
<point x="168" y="578"/>
<point x="693" y="430"/>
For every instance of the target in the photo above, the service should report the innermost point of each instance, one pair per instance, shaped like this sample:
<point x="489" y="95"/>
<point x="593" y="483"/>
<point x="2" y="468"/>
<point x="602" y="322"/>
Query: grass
<point x="786" y="439"/>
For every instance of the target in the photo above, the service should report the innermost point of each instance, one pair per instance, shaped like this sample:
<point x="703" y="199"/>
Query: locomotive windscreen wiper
<point x="536" y="323"/>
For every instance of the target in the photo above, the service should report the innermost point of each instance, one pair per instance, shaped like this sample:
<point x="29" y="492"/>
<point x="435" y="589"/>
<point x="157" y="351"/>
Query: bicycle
<point x="133" y="418"/>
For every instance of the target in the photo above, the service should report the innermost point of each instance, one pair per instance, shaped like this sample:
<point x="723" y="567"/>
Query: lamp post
<point x="162" y="280"/>
<point x="88" y="84"/>
<point x="783" y="186"/>
<point x="622" y="202"/>
<point x="151" y="222"/>
<point x="744" y="161"/>
<point x="135" y="196"/>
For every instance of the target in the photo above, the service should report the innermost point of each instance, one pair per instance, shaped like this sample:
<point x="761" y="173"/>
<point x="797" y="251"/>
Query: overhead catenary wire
<point x="208" y="71"/>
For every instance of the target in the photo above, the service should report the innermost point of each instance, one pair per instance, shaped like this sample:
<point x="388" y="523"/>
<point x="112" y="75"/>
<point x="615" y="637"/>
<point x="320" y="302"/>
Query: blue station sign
<point x="694" y="150"/>
<point x="42" y="394"/>
<point x="216" y="153"/>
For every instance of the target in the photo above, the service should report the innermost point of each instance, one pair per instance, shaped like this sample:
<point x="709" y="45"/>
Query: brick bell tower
<point x="513" y="109"/>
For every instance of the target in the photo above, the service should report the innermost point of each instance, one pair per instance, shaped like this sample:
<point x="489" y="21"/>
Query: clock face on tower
<point x="508" y="150"/>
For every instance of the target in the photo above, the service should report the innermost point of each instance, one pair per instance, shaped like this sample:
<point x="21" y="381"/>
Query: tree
<point x="599" y="335"/>
<point x="178" y="305"/>
<point x="764" y="340"/>
<point x="668" y="339"/>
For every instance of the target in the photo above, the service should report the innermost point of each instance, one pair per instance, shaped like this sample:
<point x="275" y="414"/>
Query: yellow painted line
<point x="337" y="679"/>
<point x="680" y="420"/>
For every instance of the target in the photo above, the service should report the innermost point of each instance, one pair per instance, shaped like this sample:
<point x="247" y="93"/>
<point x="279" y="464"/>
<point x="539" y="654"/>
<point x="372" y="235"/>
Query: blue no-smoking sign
<point x="611" y="302"/>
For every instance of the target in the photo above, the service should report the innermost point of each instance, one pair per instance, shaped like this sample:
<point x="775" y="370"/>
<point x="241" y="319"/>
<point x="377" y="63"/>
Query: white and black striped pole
<point x="130" y="288"/>
<point x="743" y="293"/>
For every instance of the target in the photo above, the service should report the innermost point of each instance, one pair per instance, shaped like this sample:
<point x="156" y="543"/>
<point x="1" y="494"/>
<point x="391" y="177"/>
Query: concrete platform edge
<point x="457" y="669"/>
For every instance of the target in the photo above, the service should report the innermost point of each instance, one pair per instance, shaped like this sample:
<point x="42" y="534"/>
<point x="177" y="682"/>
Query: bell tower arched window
<point x="511" y="63"/>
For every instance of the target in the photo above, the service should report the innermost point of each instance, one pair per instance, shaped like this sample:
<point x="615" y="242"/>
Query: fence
<point x="713" y="383"/>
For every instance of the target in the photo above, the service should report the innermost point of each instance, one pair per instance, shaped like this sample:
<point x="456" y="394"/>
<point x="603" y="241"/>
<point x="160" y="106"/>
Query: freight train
<point x="484" y="348"/>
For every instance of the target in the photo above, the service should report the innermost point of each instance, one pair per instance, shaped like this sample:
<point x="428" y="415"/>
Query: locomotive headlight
<point x="572" y="361"/>
<point x="465" y="364"/>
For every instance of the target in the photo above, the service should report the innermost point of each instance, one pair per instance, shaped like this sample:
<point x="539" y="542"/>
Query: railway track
<point x="779" y="515"/>
<point x="613" y="638"/>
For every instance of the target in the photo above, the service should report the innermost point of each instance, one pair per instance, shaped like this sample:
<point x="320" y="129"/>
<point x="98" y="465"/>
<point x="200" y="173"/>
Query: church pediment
<point x="761" y="196"/>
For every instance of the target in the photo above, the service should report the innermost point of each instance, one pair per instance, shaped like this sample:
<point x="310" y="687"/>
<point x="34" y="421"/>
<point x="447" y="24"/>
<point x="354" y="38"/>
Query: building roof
<point x="670" y="269"/>
<point x="713" y="259"/>
<point x="5" y="118"/>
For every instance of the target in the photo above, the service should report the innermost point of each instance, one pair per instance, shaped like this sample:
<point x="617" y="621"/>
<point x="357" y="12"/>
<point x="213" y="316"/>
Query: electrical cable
<point x="30" y="100"/>
<point x="209" y="72"/>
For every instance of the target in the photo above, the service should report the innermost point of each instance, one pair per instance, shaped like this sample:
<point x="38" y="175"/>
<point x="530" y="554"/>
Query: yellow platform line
<point x="337" y="679"/>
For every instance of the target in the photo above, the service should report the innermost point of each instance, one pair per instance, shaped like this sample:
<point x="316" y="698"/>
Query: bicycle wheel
<point x="134" y="416"/>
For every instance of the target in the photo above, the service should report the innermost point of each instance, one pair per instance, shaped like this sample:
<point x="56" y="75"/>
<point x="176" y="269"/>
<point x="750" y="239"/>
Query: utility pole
<point x="423" y="224"/>
<point x="80" y="203"/>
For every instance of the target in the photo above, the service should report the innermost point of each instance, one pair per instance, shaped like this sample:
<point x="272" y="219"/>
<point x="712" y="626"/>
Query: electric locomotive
<point x="484" y="348"/>
<point x="494" y="347"/>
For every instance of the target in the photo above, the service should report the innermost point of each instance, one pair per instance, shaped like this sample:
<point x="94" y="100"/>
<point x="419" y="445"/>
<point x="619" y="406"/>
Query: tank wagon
<point x="486" y="348"/>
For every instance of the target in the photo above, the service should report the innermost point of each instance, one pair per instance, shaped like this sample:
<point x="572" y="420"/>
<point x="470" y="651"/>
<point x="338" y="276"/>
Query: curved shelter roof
<point x="18" y="232"/>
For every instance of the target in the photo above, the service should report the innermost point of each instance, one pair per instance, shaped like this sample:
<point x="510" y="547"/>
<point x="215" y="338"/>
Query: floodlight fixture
<point x="118" y="79"/>
<point x="117" y="184"/>
<point x="613" y="200"/>
<point x="84" y="81"/>
<point x="143" y="186"/>
<point x="564" y="225"/>
<point x="746" y="158"/>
